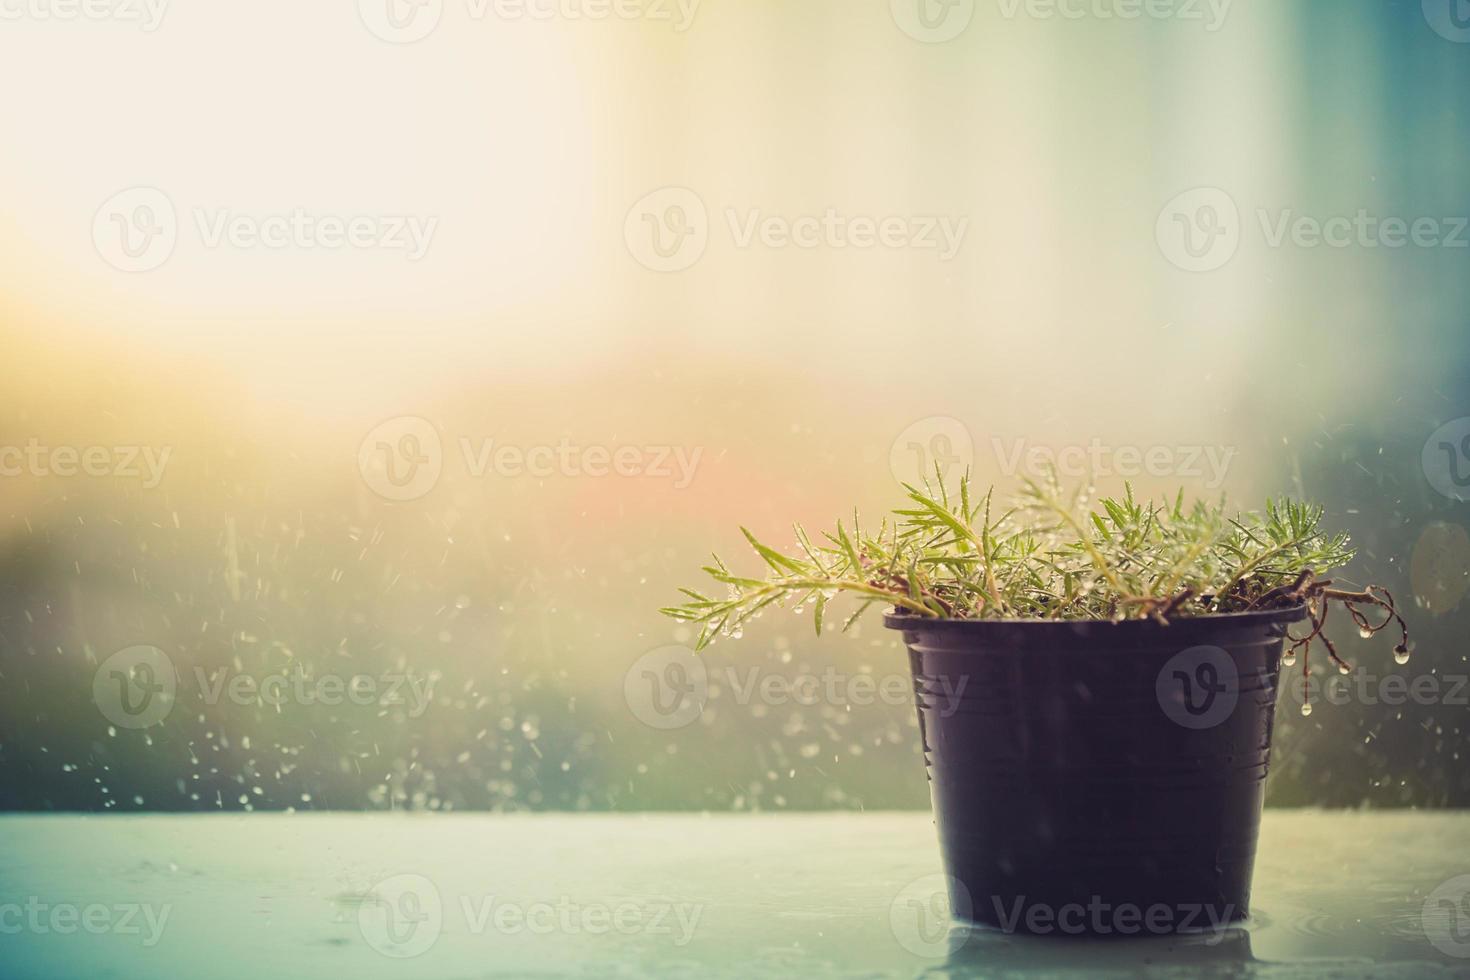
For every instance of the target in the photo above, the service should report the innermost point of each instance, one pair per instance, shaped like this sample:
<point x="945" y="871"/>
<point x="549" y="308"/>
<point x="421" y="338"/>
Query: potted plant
<point x="1095" y="683"/>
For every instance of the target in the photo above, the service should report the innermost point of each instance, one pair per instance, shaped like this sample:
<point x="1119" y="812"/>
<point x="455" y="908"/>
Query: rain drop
<point x="1306" y="709"/>
<point x="1400" y="654"/>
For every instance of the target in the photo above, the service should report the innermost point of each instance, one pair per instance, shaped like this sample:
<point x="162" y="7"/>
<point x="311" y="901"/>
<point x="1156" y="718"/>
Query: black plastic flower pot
<point x="1096" y="777"/>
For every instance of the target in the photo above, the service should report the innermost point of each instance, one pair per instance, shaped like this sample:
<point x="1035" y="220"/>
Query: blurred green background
<point x="1135" y="270"/>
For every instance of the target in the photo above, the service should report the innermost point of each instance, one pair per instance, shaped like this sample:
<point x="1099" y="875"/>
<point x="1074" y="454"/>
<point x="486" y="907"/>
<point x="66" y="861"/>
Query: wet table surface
<point x="430" y="896"/>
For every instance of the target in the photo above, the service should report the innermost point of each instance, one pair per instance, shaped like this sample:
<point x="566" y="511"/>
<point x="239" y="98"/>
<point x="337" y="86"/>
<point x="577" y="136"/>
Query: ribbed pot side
<point x="1097" y="764"/>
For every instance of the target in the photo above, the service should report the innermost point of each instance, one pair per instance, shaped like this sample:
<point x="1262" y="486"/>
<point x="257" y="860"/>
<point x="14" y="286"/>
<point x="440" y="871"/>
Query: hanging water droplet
<point x="1401" y="654"/>
<point x="1289" y="659"/>
<point x="1365" y="632"/>
<point x="1306" y="709"/>
<point x="1344" y="669"/>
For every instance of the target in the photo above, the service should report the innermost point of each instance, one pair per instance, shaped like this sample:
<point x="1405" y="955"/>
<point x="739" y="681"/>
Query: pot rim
<point x="908" y="622"/>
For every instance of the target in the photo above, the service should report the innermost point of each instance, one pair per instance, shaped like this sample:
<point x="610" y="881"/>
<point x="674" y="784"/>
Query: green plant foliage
<point x="1048" y="554"/>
